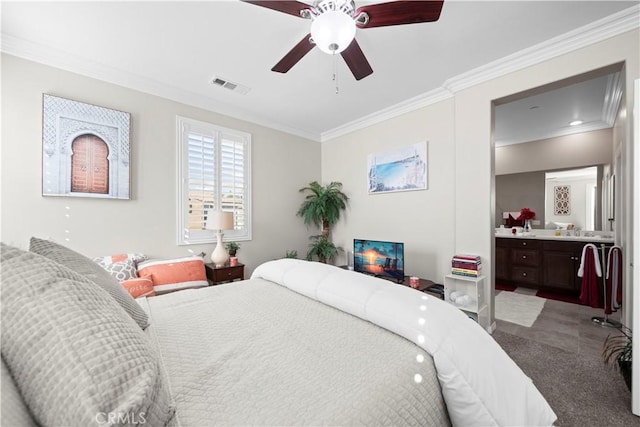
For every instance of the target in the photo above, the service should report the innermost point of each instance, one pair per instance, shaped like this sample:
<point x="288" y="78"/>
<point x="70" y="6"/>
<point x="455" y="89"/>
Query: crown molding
<point x="610" y="26"/>
<point x="612" y="99"/>
<point x="565" y="131"/>
<point x="597" y="31"/>
<point x="73" y="63"/>
<point x="613" y="25"/>
<point x="395" y="110"/>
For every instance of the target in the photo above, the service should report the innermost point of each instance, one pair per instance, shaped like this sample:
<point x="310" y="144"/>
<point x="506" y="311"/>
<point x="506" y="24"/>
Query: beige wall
<point x="282" y="164"/>
<point x="456" y="213"/>
<point x="565" y="152"/>
<point x="422" y="220"/>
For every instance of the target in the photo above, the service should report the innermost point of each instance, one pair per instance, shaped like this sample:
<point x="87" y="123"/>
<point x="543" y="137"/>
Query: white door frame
<point x="634" y="269"/>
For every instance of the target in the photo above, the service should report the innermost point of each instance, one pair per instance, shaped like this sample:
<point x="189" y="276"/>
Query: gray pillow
<point x="13" y="410"/>
<point x="92" y="271"/>
<point x="74" y="353"/>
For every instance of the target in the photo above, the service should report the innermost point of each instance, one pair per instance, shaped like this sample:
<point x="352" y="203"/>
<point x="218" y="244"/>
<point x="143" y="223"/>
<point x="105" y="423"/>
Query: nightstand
<point x="227" y="273"/>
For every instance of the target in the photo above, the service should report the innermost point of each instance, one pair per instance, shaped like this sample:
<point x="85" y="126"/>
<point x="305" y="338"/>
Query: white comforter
<point x="480" y="383"/>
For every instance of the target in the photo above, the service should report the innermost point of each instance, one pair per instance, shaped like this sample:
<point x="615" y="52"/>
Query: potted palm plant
<point x="322" y="206"/>
<point x="321" y="248"/>
<point x="617" y="351"/>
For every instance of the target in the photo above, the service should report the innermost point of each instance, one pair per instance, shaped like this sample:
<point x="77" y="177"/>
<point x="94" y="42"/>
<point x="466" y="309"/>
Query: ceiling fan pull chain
<point x="335" y="72"/>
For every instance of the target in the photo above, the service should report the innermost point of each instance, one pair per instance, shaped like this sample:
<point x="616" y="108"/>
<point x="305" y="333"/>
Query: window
<point x="214" y="173"/>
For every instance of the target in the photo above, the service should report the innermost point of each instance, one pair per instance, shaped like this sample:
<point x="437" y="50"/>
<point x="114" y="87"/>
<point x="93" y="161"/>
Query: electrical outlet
<point x="535" y="222"/>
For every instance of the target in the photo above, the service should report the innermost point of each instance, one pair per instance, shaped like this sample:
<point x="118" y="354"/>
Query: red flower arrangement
<point x="526" y="213"/>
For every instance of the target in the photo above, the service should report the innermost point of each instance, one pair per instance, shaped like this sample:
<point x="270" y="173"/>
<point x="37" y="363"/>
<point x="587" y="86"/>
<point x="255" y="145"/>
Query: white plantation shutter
<point x="214" y="174"/>
<point x="232" y="177"/>
<point x="201" y="179"/>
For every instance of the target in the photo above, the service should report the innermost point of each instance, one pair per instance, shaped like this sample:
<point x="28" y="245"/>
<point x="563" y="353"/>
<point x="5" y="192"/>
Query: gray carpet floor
<point x="579" y="387"/>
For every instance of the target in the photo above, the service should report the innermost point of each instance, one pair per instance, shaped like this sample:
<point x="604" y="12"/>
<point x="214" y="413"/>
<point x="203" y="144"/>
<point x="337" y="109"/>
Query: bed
<point x="299" y="343"/>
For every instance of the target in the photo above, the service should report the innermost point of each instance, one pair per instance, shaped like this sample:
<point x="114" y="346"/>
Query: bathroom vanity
<point x="543" y="262"/>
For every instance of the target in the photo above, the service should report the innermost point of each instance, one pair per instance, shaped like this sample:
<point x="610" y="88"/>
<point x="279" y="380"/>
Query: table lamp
<point x="220" y="221"/>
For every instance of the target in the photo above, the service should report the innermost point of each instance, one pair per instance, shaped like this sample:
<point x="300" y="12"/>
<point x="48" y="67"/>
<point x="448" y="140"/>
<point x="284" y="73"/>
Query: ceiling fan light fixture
<point x="333" y="27"/>
<point x="333" y="31"/>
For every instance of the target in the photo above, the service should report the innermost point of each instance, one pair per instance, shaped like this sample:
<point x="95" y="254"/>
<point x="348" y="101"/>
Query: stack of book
<point x="466" y="265"/>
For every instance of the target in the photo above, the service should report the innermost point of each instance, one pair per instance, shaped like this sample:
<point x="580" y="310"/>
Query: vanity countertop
<point x="593" y="239"/>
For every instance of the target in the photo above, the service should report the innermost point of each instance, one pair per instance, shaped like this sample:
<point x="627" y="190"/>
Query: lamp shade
<point x="219" y="220"/>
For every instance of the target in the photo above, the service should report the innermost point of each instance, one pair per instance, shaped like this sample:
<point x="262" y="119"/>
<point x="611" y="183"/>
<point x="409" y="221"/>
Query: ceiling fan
<point x="334" y="22"/>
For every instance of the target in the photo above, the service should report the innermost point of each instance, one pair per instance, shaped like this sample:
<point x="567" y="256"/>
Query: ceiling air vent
<point x="217" y="81"/>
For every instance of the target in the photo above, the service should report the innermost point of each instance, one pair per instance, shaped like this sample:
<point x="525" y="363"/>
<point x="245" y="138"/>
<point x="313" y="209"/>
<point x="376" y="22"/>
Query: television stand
<point x="423" y="284"/>
<point x="379" y="276"/>
<point x="391" y="279"/>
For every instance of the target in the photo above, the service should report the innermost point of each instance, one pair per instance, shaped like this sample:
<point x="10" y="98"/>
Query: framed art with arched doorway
<point x="85" y="150"/>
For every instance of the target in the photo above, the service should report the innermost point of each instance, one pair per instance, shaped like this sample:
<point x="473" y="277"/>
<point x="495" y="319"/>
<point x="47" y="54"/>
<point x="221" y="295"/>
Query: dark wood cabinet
<point x="560" y="266"/>
<point x="227" y="273"/>
<point x="523" y="262"/>
<point x="502" y="262"/>
<point x="525" y="257"/>
<point x="540" y="264"/>
<point x="525" y="276"/>
<point x="561" y="270"/>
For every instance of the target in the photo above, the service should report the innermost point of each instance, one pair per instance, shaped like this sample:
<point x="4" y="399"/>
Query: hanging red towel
<point x="614" y="280"/>
<point x="590" y="271"/>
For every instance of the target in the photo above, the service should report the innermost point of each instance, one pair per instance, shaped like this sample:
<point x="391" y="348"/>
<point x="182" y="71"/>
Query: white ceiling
<point x="548" y="113"/>
<point x="174" y="49"/>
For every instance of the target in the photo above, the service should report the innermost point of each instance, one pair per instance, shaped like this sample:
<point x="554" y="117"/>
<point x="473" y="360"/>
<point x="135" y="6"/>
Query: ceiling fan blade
<point x="400" y="12"/>
<point x="290" y="7"/>
<point x="356" y="61"/>
<point x="296" y="54"/>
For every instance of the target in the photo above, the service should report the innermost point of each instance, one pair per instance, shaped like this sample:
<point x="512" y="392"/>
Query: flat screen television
<point x="381" y="259"/>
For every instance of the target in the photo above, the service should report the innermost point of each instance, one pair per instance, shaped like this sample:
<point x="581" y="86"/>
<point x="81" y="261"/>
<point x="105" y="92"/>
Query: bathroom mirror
<point x="573" y="198"/>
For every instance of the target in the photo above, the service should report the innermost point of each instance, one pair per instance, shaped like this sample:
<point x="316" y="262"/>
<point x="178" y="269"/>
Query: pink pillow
<point x="174" y="274"/>
<point x="140" y="287"/>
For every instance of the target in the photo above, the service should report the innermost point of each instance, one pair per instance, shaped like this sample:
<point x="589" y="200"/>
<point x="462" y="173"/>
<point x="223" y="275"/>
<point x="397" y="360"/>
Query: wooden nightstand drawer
<point x="227" y="273"/>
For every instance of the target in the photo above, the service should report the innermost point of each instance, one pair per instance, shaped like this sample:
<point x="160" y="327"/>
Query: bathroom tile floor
<point x="564" y="325"/>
